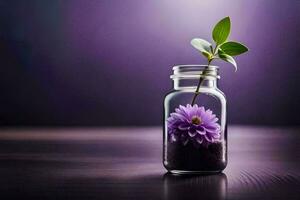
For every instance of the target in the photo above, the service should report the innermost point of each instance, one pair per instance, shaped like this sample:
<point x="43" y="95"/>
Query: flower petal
<point x="184" y="139"/>
<point x="184" y="127"/>
<point x="201" y="132"/>
<point x="191" y="133"/>
<point x="173" y="138"/>
<point x="209" y="139"/>
<point x="216" y="136"/>
<point x="199" y="140"/>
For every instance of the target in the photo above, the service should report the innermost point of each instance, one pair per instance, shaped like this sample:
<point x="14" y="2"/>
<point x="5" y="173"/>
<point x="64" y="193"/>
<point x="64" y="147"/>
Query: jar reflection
<point x="195" y="187"/>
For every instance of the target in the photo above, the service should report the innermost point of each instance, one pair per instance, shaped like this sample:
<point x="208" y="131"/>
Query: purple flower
<point x="194" y="124"/>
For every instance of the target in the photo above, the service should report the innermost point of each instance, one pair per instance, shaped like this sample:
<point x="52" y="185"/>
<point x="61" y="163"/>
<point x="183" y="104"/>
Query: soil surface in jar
<point x="191" y="158"/>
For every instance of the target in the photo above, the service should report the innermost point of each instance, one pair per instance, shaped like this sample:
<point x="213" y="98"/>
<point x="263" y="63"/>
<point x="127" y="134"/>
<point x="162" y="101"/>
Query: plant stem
<point x="203" y="73"/>
<point x="199" y="83"/>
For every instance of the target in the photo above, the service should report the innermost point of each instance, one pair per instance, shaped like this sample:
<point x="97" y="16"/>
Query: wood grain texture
<point x="126" y="163"/>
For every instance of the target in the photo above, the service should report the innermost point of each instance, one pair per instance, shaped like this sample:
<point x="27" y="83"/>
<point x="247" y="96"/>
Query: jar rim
<point x="194" y="65"/>
<point x="194" y="71"/>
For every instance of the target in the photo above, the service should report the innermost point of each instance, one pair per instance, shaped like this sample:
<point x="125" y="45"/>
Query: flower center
<point x="196" y="120"/>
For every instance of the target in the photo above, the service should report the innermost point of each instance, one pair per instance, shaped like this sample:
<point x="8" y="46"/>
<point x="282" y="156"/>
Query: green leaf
<point x="221" y="31"/>
<point x="207" y="55"/>
<point x="228" y="58"/>
<point x="201" y="45"/>
<point x="233" y="48"/>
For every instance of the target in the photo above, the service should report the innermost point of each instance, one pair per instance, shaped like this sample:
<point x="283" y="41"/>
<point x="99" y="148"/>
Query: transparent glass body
<point x="195" y="132"/>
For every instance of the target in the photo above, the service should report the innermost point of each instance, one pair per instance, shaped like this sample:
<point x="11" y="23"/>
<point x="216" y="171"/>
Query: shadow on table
<point x="195" y="187"/>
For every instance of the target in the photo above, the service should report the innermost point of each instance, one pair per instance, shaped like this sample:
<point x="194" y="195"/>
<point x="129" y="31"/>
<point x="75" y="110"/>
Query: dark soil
<point x="191" y="158"/>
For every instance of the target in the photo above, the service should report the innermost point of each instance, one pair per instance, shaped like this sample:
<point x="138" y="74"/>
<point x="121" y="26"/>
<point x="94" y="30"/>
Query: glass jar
<point x="195" y="127"/>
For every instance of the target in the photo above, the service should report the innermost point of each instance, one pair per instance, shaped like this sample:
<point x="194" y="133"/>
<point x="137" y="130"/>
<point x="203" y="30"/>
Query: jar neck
<point x="181" y="84"/>
<point x="188" y="76"/>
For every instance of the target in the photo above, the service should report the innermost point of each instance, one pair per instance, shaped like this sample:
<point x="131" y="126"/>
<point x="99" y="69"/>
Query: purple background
<point x="108" y="62"/>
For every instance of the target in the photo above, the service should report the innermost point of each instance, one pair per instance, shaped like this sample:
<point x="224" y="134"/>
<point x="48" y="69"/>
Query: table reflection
<point x="195" y="186"/>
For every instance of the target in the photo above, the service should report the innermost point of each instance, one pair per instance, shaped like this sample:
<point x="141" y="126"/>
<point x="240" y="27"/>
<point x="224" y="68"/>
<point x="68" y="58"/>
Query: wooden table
<point x="125" y="163"/>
